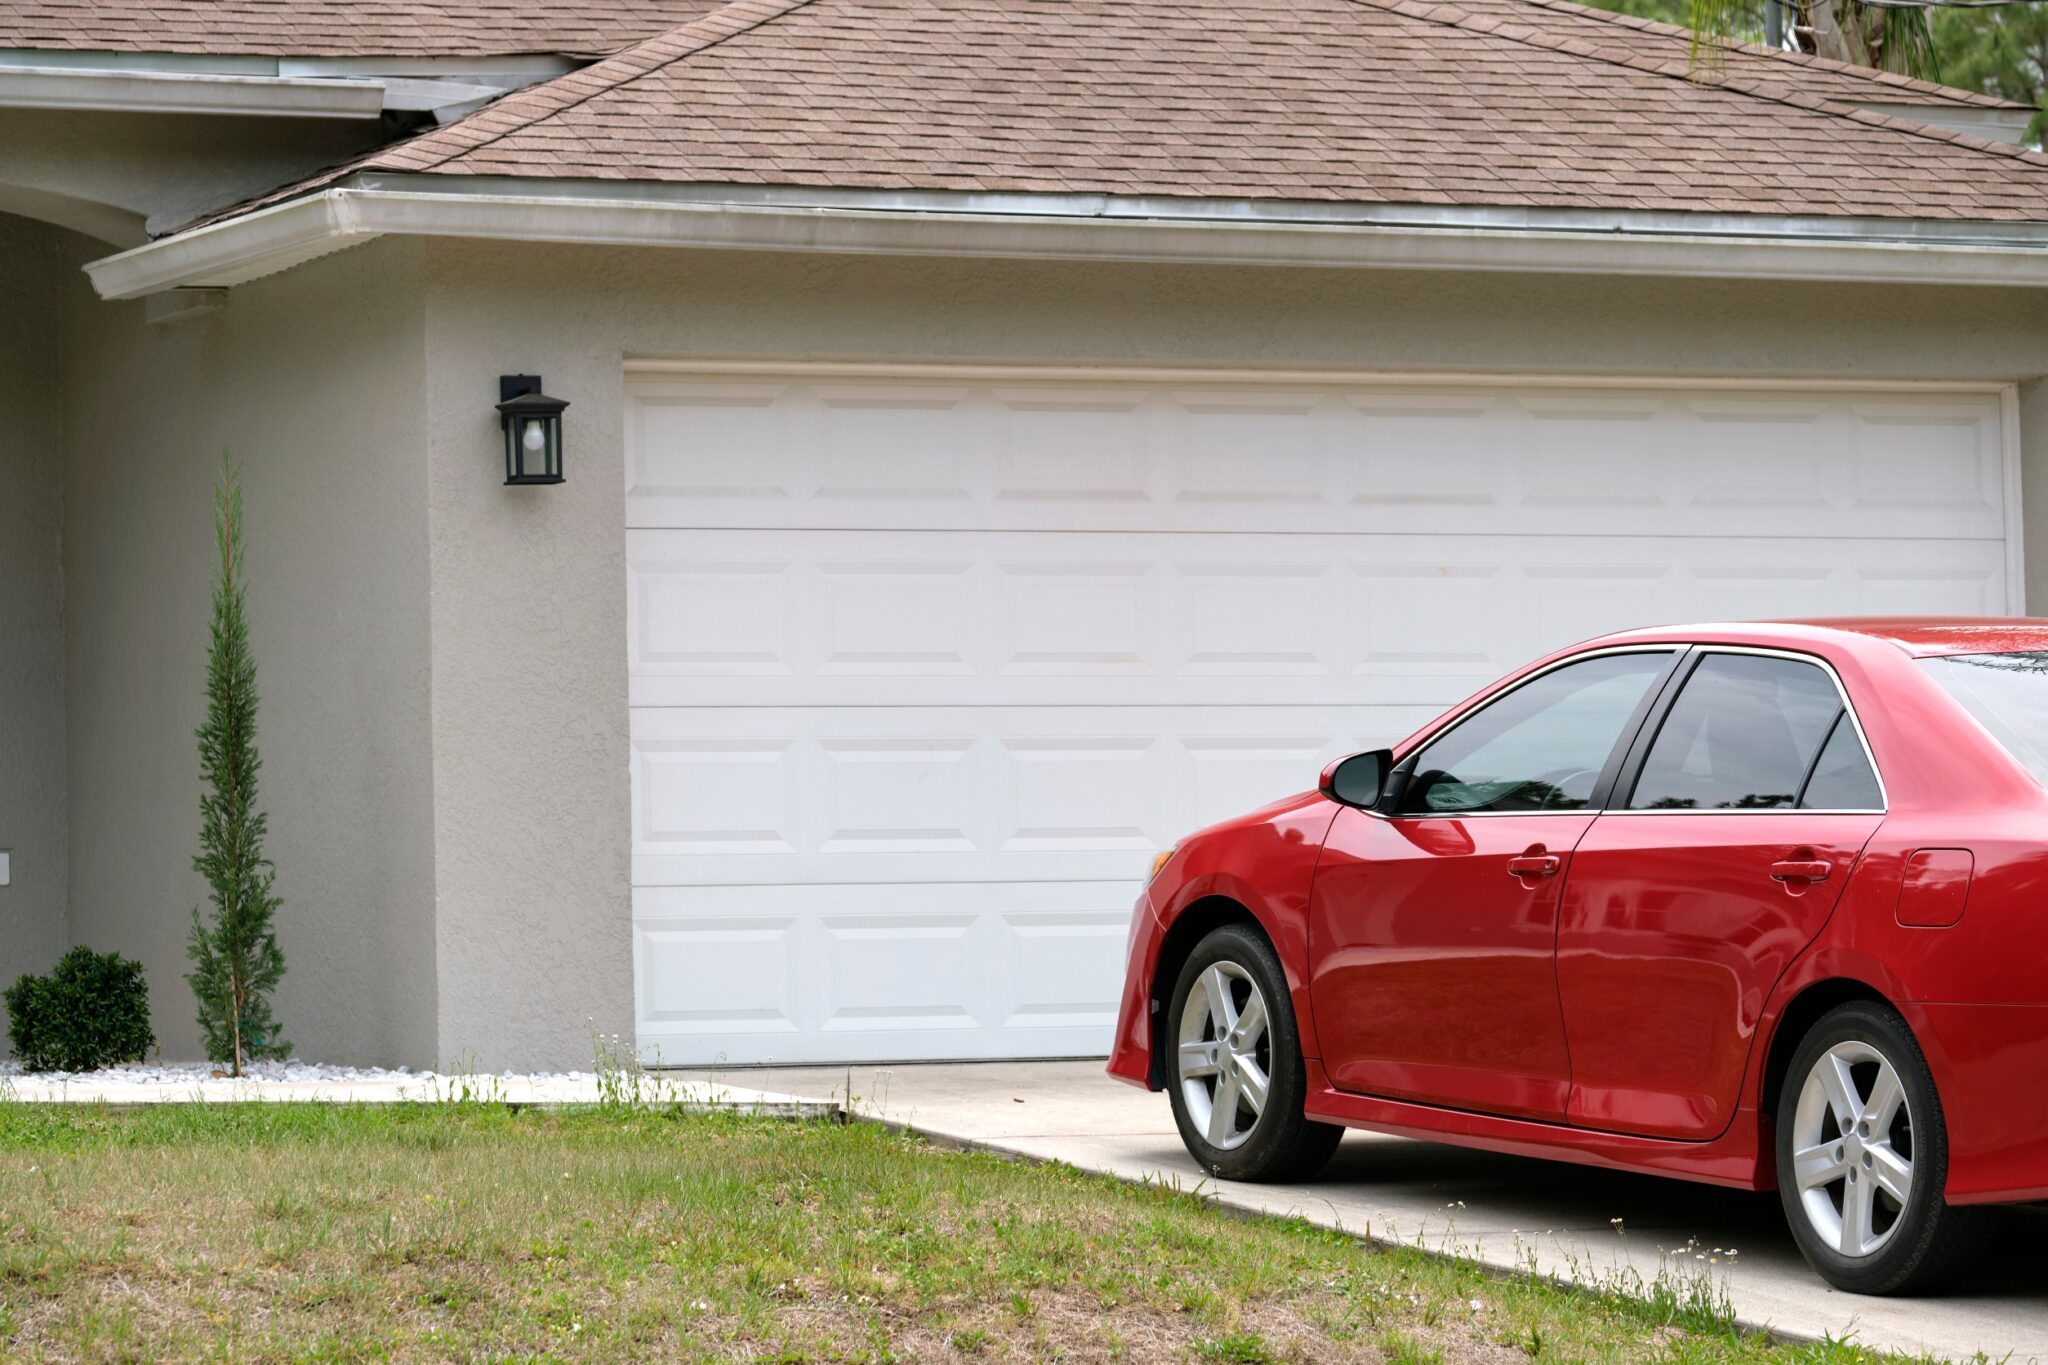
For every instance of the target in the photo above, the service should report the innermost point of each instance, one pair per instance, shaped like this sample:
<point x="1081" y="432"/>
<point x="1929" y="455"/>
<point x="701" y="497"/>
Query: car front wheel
<point x="1237" y="1080"/>
<point x="1863" y="1157"/>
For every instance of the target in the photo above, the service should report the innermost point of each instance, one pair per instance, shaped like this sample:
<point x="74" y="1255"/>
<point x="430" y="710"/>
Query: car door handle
<point x="1801" y="870"/>
<point x="1534" y="865"/>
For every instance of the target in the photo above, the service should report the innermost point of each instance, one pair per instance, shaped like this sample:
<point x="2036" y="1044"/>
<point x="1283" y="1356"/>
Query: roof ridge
<point x="524" y="108"/>
<point x="1953" y="93"/>
<point x="1448" y="12"/>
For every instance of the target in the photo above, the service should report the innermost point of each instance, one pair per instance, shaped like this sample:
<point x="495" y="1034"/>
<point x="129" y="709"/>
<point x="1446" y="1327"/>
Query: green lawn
<point x="467" y="1231"/>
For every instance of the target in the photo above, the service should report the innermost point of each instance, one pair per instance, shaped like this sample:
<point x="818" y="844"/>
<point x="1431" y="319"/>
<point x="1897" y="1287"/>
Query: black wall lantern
<point x="533" y="430"/>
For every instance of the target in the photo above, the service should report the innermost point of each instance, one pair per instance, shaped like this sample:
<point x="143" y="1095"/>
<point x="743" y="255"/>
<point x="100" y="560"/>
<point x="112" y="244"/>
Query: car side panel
<point x="1975" y="992"/>
<point x="1130" y="1049"/>
<point x="1264" y="862"/>
<point x="1988" y="1063"/>
<point x="1673" y="934"/>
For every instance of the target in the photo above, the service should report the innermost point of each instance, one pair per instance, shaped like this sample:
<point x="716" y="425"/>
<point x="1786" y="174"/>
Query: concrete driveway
<point x="1495" y="1209"/>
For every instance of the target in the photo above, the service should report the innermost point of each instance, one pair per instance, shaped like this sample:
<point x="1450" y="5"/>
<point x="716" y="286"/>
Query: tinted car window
<point x="1742" y="736"/>
<point x="1842" y="779"/>
<point x="1540" y="747"/>
<point x="2008" y="694"/>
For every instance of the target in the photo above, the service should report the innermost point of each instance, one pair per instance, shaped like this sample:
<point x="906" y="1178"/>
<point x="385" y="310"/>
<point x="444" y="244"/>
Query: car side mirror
<point x="1359" y="779"/>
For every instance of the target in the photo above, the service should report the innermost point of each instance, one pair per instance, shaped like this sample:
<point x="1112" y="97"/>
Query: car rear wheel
<point x="1863" y="1157"/>
<point x="1236" y="1078"/>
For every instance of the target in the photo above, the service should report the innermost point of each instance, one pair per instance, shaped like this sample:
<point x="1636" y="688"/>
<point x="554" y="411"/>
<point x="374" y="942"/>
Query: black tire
<point x="1282" y="1143"/>
<point x="1927" y="1243"/>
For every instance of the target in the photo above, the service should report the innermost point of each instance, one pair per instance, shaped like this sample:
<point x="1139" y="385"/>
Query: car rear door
<point x="1731" y="831"/>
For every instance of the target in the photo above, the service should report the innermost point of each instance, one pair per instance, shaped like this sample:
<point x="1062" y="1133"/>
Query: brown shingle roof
<point x="1624" y="37"/>
<point x="342" y="28"/>
<point x="1454" y="102"/>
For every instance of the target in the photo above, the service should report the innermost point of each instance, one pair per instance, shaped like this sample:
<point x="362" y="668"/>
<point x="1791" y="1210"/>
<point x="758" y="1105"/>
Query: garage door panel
<point x="818" y="795"/>
<point x="1394" y="456"/>
<point x="1905" y="590"/>
<point x="932" y="969"/>
<point x="1069" y="445"/>
<point x="863" y="618"/>
<point x="924" y="669"/>
<point x="1936" y="460"/>
<point x="710" y="974"/>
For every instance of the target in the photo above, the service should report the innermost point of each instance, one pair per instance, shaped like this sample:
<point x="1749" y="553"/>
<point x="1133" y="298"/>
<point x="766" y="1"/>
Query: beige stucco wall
<point x="314" y="381"/>
<point x="530" y="796"/>
<point x="33" y="931"/>
<point x="444" y="723"/>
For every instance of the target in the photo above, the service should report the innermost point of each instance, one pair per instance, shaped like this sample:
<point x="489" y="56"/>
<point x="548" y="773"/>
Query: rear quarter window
<point x="2008" y="696"/>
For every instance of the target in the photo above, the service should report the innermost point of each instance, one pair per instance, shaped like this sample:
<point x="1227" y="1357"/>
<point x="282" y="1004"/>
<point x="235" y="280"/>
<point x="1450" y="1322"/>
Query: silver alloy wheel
<point x="1226" y="1056"/>
<point x="1852" y="1149"/>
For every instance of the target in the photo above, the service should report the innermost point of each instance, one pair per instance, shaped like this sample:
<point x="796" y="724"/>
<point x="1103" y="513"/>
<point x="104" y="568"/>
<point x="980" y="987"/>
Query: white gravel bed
<point x="171" y="1083"/>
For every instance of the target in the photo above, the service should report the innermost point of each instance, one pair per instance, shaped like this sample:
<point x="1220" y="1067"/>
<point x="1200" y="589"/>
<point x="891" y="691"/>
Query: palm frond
<point x="1903" y="40"/>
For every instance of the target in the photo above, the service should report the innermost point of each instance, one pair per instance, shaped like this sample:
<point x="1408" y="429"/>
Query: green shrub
<point x="91" y="1011"/>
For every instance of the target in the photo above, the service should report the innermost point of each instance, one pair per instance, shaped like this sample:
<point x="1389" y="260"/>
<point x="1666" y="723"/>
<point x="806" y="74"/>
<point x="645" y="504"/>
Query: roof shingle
<point x="342" y="28"/>
<point x="1461" y="102"/>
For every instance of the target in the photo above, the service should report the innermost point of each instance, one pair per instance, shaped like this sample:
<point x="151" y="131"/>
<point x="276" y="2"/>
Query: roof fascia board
<point x="68" y="59"/>
<point x="501" y="71"/>
<point x="158" y="92"/>
<point x="1993" y="122"/>
<point x="239" y="249"/>
<point x="259" y="244"/>
<point x="505" y="72"/>
<point x="1162" y="208"/>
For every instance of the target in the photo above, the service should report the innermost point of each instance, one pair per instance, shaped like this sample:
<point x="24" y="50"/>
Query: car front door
<point x="1732" y="830"/>
<point x="1433" y="923"/>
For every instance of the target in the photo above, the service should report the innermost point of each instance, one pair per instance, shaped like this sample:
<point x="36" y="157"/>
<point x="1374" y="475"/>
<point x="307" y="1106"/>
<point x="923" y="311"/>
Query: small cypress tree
<point x="236" y="962"/>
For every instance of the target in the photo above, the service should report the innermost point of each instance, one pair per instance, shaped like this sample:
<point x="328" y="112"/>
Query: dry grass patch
<point x="310" y="1232"/>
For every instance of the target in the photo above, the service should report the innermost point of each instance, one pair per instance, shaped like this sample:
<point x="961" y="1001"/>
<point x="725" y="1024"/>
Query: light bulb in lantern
<point x="535" y="438"/>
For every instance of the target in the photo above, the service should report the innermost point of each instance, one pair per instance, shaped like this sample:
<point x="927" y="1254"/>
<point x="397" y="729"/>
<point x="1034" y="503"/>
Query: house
<point x="1003" y="435"/>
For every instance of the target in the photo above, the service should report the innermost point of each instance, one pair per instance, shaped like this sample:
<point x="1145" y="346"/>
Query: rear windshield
<point x="2008" y="694"/>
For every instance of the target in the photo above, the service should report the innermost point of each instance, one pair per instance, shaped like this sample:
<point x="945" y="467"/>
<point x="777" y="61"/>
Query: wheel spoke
<point x="1222" y="1008"/>
<point x="1857" y="1228"/>
<point x="1223" y="1110"/>
<point x="1833" y="1072"/>
<point x="1198" y="1059"/>
<point x="1842" y="1162"/>
<point x="1817" y="1165"/>
<point x="1886" y="1094"/>
<point x="1251" y="1025"/>
<point x="1890" y="1172"/>
<point x="1252" y="1082"/>
<point x="1223" y="1053"/>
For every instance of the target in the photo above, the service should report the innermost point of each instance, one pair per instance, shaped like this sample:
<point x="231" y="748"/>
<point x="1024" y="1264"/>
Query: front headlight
<point x="1160" y="862"/>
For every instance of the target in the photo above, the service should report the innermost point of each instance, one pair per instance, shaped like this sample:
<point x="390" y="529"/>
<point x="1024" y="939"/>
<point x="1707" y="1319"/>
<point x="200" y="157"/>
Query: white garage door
<point x="926" y="667"/>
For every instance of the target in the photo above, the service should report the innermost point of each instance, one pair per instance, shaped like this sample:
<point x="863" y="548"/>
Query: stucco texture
<point x="33" y="825"/>
<point x="530" y="798"/>
<point x="314" y="383"/>
<point x="445" y="722"/>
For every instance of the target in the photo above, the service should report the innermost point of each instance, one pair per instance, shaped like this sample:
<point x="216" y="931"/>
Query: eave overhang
<point x="160" y="92"/>
<point x="1083" y="227"/>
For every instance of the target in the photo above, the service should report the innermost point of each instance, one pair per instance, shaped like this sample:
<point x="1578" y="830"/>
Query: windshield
<point x="2008" y="694"/>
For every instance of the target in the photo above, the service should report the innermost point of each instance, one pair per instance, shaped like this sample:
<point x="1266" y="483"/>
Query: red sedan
<point x="1757" y="905"/>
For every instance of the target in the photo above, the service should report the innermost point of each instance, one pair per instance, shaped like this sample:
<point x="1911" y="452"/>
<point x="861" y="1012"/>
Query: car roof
<point x="1916" y="636"/>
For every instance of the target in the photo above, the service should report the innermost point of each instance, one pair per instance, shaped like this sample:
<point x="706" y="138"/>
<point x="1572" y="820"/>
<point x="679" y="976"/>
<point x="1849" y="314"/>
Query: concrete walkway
<point x="1496" y="1209"/>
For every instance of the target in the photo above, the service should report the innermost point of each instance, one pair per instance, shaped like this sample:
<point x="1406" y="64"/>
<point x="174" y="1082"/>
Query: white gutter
<point x="157" y="92"/>
<point x="1064" y="227"/>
